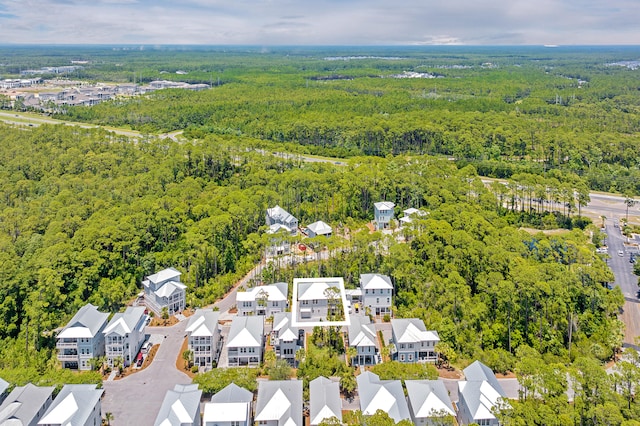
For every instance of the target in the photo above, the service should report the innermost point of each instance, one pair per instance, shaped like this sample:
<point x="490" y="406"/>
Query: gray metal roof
<point x="88" y="317"/>
<point x="24" y="403"/>
<point x="385" y="395"/>
<point x="246" y="332"/>
<point x="324" y="400"/>
<point x="125" y="322"/>
<point x="280" y="215"/>
<point x="280" y="400"/>
<point x="362" y="332"/>
<point x="181" y="405"/>
<point x="478" y="372"/>
<point x="428" y="397"/>
<point x="204" y="322"/>
<point x="232" y="393"/>
<point x="74" y="405"/>
<point x="412" y="330"/>
<point x="375" y="281"/>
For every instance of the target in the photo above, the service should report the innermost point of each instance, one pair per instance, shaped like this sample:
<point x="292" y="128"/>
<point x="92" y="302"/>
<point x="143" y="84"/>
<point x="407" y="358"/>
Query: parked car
<point x="620" y="253"/>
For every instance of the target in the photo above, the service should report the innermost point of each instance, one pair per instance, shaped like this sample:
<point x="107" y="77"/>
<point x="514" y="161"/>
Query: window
<point x="410" y="345"/>
<point x="410" y="357"/>
<point x="401" y="345"/>
<point x="401" y="357"/>
<point x="377" y="300"/>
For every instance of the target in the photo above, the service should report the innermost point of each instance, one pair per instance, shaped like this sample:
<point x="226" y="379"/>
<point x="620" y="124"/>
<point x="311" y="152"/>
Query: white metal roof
<point x="320" y="228"/>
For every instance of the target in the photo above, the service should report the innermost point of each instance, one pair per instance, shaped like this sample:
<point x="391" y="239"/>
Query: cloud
<point x="348" y="22"/>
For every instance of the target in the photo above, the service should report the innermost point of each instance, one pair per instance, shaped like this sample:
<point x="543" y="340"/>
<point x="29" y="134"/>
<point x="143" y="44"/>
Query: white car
<point x="620" y="253"/>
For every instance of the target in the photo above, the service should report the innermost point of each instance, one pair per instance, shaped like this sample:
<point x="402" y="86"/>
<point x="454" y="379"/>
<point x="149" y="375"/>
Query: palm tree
<point x="186" y="356"/>
<point x="108" y="416"/>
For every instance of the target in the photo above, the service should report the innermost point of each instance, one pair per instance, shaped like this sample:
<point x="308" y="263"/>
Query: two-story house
<point x="264" y="300"/>
<point x="377" y="293"/>
<point x="279" y="403"/>
<point x="164" y="290"/>
<point x="181" y="406"/>
<point x="232" y="406"/>
<point x="410" y="214"/>
<point x="385" y="395"/>
<point x="246" y="341"/>
<point x="279" y="216"/>
<point x="478" y="396"/>
<point x="362" y="337"/>
<point x="75" y="405"/>
<point x="26" y="405"/>
<point x="124" y="335"/>
<point x="412" y="341"/>
<point x="82" y="338"/>
<point x="383" y="214"/>
<point x="204" y="338"/>
<point x="286" y="339"/>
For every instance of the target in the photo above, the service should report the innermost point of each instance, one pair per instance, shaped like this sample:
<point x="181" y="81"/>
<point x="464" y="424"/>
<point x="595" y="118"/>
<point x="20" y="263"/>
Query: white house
<point x="324" y="400"/>
<point x="229" y="407"/>
<point x="362" y="337"/>
<point x="181" y="406"/>
<point x="124" y="335"/>
<point x="383" y="214"/>
<point x="319" y="228"/>
<point x="412" y="341"/>
<point x="245" y="341"/>
<point x="314" y="299"/>
<point x="385" y="395"/>
<point x="478" y="396"/>
<point x="75" y="405"/>
<point x="204" y="339"/>
<point x="264" y="300"/>
<point x="428" y="401"/>
<point x="285" y="338"/>
<point x="411" y="214"/>
<point x="279" y="216"/>
<point x="279" y="403"/>
<point x="377" y="293"/>
<point x="82" y="338"/>
<point x="164" y="289"/>
<point x="25" y="405"/>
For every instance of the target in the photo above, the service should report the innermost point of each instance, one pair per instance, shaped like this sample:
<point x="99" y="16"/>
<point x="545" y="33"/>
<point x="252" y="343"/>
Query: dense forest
<point x="85" y="214"/>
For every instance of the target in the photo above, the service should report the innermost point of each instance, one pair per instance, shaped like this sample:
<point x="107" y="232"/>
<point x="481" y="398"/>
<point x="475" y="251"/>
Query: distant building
<point x="413" y="342"/>
<point x="319" y="301"/>
<point x="124" y="335"/>
<point x="411" y="214"/>
<point x="25" y="405"/>
<point x="82" y="338"/>
<point x="265" y="300"/>
<point x="279" y="216"/>
<point x="377" y="291"/>
<point x="77" y="405"/>
<point x="204" y="340"/>
<point x="383" y="214"/>
<point x="319" y="228"/>
<point x="181" y="406"/>
<point x="164" y="290"/>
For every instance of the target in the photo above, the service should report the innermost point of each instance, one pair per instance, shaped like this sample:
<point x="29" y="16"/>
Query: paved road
<point x="136" y="399"/>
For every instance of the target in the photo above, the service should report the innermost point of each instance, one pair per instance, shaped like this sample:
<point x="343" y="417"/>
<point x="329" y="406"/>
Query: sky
<point x="321" y="22"/>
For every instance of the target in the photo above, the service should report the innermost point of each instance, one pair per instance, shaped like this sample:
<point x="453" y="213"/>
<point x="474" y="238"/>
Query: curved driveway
<point x="136" y="399"/>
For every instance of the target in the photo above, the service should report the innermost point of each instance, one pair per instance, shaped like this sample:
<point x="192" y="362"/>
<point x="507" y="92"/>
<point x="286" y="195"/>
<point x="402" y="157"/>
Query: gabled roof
<point x="412" y="330"/>
<point x="169" y="288"/>
<point x="413" y="211"/>
<point x="324" y="400"/>
<point x="384" y="205"/>
<point x="320" y="228"/>
<point x="23" y="404"/>
<point x="246" y="332"/>
<point x="477" y="372"/>
<point x="282" y="326"/>
<point x="428" y="398"/>
<point x="314" y="290"/>
<point x="276" y="227"/>
<point x="165" y="275"/>
<point x="73" y="405"/>
<point x="280" y="400"/>
<point x="375" y="282"/>
<point x="480" y="398"/>
<point x="232" y="403"/>
<point x="362" y="332"/>
<point x="203" y="323"/>
<point x="280" y="215"/>
<point x="385" y="395"/>
<point x="275" y="292"/>
<point x="86" y="323"/>
<point x="125" y="323"/>
<point x="180" y="405"/>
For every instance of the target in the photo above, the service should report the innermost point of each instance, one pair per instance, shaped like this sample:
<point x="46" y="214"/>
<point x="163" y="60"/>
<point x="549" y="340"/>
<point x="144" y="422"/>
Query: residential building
<point x="324" y="400"/>
<point x="264" y="300"/>
<point x="412" y="341"/>
<point x="77" y="405"/>
<point x="279" y="216"/>
<point x="383" y="214"/>
<point x="279" y="243"/>
<point x="319" y="300"/>
<point x="377" y="293"/>
<point x="164" y="290"/>
<point x="181" y="406"/>
<point x="385" y="395"/>
<point x="279" y="403"/>
<point x="428" y="401"/>
<point x="479" y="396"/>
<point x="204" y="338"/>
<point x="82" y="338"/>
<point x="319" y="229"/>
<point x="245" y="341"/>
<point x="232" y="406"/>
<point x="362" y="337"/>
<point x="411" y="214"/>
<point x="25" y="405"/>
<point x="4" y="388"/>
<point x="124" y="335"/>
<point x="285" y="338"/>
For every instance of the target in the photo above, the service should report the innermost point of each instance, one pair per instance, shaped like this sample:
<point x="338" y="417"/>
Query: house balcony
<point x="60" y="344"/>
<point x="67" y="357"/>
